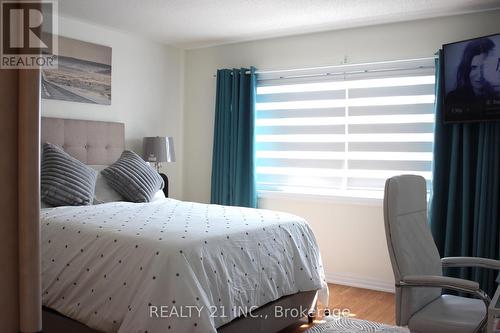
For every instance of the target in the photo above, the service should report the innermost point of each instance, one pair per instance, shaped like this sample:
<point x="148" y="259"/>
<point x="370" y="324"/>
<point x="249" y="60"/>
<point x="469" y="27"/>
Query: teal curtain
<point x="465" y="202"/>
<point x="233" y="163"/>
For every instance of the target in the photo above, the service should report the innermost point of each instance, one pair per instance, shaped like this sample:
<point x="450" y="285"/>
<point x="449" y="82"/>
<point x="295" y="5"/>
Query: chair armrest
<point x="440" y="282"/>
<point x="435" y="281"/>
<point x="470" y="262"/>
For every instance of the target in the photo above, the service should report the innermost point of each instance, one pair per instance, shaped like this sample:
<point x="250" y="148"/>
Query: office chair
<point x="418" y="268"/>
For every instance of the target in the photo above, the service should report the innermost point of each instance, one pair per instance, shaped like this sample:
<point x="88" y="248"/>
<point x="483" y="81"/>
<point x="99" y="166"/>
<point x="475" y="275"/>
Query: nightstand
<point x="165" y="180"/>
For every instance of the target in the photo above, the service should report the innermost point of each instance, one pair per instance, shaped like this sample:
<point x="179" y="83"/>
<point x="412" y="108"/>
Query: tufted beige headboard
<point x="92" y="142"/>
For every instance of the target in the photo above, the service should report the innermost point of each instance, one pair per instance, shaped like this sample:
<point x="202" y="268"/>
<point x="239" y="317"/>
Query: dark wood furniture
<point x="165" y="180"/>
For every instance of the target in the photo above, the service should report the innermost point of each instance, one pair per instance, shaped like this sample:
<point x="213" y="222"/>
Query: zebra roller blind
<point x="344" y="132"/>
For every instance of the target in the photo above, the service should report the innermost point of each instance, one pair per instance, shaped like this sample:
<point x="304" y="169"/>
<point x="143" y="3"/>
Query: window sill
<point x="326" y="198"/>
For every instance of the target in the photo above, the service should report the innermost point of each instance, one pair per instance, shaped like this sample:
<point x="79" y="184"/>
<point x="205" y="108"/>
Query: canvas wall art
<point x="83" y="74"/>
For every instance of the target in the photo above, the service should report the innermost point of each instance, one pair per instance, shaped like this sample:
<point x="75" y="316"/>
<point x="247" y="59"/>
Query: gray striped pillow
<point x="65" y="181"/>
<point x="133" y="178"/>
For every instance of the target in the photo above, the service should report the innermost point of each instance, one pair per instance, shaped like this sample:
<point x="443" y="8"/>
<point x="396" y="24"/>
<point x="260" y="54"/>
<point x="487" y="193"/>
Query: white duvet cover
<point x="172" y="265"/>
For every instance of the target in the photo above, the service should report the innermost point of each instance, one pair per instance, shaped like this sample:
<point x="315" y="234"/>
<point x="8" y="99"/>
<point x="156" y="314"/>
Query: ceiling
<point x="200" y="23"/>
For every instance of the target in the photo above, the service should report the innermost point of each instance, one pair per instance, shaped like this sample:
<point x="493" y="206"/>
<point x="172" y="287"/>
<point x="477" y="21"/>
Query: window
<point x="344" y="133"/>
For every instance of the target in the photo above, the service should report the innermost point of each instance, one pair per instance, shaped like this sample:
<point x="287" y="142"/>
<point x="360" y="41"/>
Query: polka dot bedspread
<point x="172" y="265"/>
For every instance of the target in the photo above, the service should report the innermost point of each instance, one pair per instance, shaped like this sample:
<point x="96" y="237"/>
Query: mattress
<point x="172" y="265"/>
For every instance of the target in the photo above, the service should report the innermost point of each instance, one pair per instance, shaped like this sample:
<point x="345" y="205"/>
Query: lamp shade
<point x="158" y="149"/>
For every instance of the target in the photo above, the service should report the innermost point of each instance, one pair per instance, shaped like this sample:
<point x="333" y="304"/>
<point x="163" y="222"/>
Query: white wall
<point x="351" y="236"/>
<point x="147" y="90"/>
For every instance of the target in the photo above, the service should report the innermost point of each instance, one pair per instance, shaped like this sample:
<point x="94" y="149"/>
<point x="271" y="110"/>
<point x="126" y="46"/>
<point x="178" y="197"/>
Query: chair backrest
<point x="411" y="247"/>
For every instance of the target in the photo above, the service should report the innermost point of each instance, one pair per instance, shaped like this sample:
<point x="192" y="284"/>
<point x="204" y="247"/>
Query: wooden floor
<point x="361" y="303"/>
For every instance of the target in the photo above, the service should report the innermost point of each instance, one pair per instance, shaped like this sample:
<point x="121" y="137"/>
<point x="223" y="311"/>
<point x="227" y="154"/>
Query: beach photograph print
<point x="83" y="73"/>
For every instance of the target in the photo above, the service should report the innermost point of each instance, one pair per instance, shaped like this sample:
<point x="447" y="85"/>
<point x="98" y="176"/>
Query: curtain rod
<point x="338" y="66"/>
<point x="384" y="70"/>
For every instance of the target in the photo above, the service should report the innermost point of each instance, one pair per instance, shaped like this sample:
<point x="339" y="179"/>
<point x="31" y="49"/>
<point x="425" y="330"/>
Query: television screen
<point x="472" y="80"/>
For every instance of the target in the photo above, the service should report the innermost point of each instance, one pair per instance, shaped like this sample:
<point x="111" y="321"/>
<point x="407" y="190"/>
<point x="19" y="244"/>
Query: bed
<point x="169" y="265"/>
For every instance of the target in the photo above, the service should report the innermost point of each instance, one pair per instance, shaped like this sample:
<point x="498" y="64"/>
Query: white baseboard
<point x="360" y="282"/>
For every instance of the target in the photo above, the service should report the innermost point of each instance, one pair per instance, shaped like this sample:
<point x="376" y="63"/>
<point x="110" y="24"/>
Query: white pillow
<point x="158" y="196"/>
<point x="103" y="192"/>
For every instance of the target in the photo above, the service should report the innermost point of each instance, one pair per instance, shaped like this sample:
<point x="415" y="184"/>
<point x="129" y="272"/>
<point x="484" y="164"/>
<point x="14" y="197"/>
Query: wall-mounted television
<point x="472" y="80"/>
